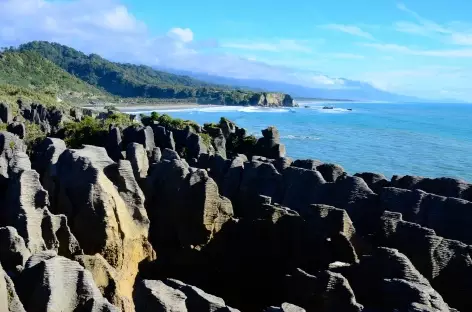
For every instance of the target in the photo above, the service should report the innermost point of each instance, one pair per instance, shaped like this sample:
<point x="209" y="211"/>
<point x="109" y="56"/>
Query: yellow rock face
<point x="106" y="210"/>
<point x="125" y="245"/>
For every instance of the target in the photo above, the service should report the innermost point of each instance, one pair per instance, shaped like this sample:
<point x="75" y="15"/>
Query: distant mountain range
<point x="349" y="90"/>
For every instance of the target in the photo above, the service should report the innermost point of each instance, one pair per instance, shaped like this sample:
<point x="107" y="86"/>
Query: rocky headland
<point x="106" y="213"/>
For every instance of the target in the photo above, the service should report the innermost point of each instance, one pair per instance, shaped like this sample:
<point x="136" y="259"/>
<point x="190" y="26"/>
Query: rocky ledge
<point x="157" y="217"/>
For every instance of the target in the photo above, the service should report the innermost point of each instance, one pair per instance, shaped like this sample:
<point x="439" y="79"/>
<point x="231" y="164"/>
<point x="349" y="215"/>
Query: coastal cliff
<point x="104" y="213"/>
<point x="272" y="100"/>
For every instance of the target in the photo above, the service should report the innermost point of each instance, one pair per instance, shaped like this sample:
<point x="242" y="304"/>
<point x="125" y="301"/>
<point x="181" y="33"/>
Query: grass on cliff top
<point x="10" y="95"/>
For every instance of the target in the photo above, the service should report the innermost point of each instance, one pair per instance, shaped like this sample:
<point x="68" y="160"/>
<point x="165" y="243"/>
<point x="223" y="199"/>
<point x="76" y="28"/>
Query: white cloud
<point x="425" y="27"/>
<point x="411" y="28"/>
<point x="107" y="28"/>
<point x="423" y="81"/>
<point x="351" y="56"/>
<point x="349" y="29"/>
<point x="451" y="53"/>
<point x="119" y="19"/>
<point x="428" y="25"/>
<point x="182" y="34"/>
<point x="282" y="45"/>
<point x="325" y="80"/>
<point x="390" y="47"/>
<point x="462" y="39"/>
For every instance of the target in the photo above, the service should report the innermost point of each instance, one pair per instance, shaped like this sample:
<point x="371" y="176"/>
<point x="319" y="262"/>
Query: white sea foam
<point x="299" y="137"/>
<point x="217" y="109"/>
<point x="335" y="110"/>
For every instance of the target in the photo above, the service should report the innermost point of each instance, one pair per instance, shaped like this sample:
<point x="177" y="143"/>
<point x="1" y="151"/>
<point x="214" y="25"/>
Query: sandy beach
<point x="150" y="107"/>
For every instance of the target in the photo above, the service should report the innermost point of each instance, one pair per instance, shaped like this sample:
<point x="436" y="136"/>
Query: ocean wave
<point x="299" y="137"/>
<point x="335" y="110"/>
<point x="217" y="109"/>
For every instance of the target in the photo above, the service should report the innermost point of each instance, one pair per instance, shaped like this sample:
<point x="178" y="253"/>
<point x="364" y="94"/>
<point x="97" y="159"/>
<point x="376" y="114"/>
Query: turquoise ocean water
<point x="431" y="140"/>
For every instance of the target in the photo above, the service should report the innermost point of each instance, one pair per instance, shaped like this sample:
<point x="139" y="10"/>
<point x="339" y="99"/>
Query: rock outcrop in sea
<point x="167" y="218"/>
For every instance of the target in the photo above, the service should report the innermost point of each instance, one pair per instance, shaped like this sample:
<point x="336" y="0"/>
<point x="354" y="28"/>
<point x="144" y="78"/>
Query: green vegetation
<point x="250" y="141"/>
<point x="93" y="131"/>
<point x="33" y="135"/>
<point x="3" y="127"/>
<point x="206" y="139"/>
<point x="29" y="70"/>
<point x="111" y="108"/>
<point x="10" y="95"/>
<point x="88" y="131"/>
<point x="133" y="81"/>
<point x="167" y="121"/>
<point x="212" y="129"/>
<point x="176" y="123"/>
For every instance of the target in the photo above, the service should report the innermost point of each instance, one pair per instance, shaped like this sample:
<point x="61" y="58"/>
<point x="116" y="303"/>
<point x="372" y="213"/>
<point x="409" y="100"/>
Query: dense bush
<point x="34" y="135"/>
<point x="93" y="131"/>
<point x="88" y="131"/>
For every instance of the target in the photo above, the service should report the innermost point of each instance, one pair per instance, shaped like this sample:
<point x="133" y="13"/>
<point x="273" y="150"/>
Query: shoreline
<point x="156" y="107"/>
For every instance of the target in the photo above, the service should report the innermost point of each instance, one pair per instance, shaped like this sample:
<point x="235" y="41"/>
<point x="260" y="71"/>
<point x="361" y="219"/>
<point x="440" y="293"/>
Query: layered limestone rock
<point x="375" y="181"/>
<point x="106" y="210"/>
<point x="263" y="250"/>
<point x="106" y="279"/>
<point x="5" y="113"/>
<point x="163" y="138"/>
<point x="301" y="188"/>
<point x="27" y="210"/>
<point x="44" y="159"/>
<point x="327" y="291"/>
<point x="185" y="206"/>
<point x="285" y="307"/>
<point x="388" y="281"/>
<point x="330" y="172"/>
<point x="258" y="179"/>
<point x="232" y="178"/>
<point x="447" y="187"/>
<point x="136" y="154"/>
<point x="449" y="217"/>
<point x="13" y="251"/>
<point x="26" y="206"/>
<point x="173" y="295"/>
<point x="9" y="300"/>
<point x="53" y="283"/>
<point x="445" y="263"/>
<point x="113" y="144"/>
<point x="17" y="128"/>
<point x="310" y="164"/>
<point x="269" y="145"/>
<point x="272" y="99"/>
<point x="10" y="145"/>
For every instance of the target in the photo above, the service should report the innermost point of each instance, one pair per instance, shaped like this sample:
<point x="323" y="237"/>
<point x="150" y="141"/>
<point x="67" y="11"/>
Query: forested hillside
<point x="29" y="69"/>
<point x="128" y="80"/>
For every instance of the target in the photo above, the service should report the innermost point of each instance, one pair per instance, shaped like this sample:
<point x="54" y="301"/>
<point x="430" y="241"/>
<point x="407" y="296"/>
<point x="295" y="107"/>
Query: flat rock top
<point x="97" y="156"/>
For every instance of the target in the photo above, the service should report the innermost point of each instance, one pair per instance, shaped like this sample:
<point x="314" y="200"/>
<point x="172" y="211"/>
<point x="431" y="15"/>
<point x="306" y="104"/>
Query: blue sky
<point x="420" y="47"/>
